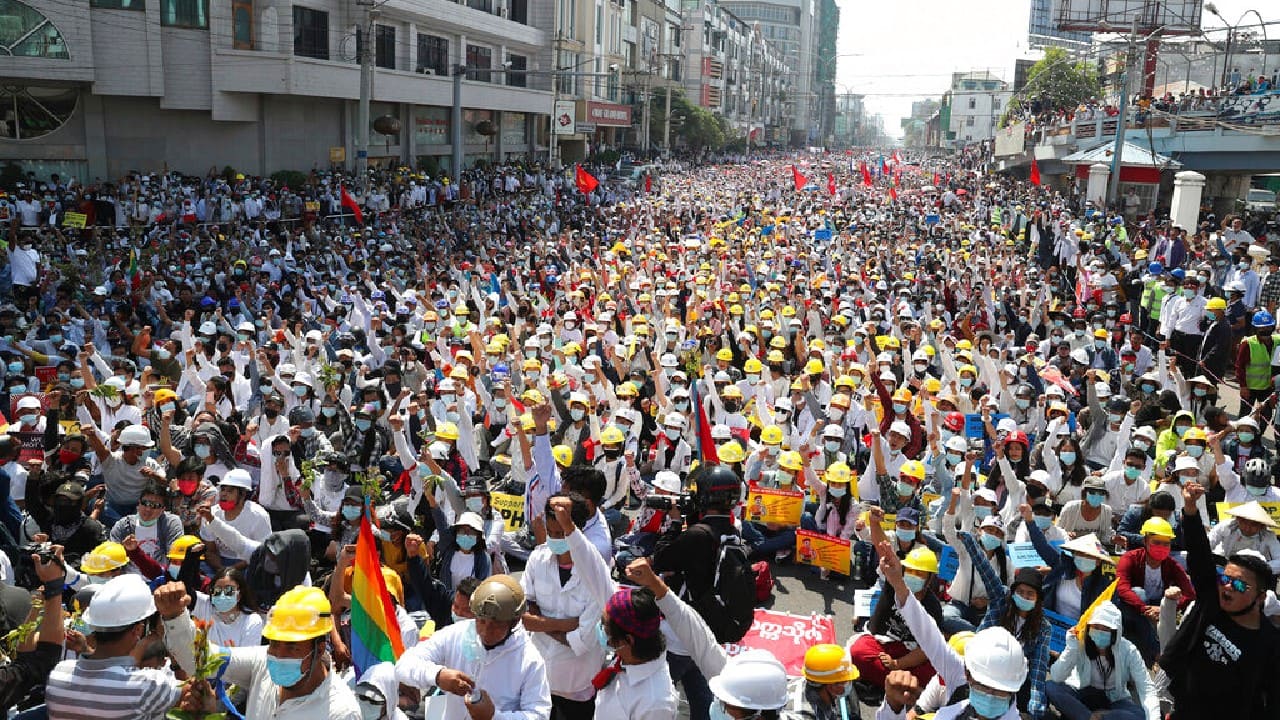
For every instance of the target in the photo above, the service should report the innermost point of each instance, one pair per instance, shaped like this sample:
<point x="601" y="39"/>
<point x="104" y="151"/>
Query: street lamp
<point x="1231" y="36"/>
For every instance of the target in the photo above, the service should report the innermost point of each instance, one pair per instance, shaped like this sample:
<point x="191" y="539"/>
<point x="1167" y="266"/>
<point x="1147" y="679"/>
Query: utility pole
<point x="1117" y="152"/>
<point x="455" y="121"/>
<point x="366" y="92"/>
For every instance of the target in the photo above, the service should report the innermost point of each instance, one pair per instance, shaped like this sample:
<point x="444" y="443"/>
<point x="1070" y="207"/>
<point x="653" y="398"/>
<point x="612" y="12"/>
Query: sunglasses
<point x="151" y="504"/>
<point x="226" y="592"/>
<point x="1236" y="584"/>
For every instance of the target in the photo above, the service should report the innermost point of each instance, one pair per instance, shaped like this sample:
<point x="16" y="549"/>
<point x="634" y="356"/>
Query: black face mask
<point x="271" y="413"/>
<point x="65" y="514"/>
<point x="613" y="453"/>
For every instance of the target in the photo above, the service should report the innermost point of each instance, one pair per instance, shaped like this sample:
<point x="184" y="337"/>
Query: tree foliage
<point x="691" y="125"/>
<point x="1056" y="82"/>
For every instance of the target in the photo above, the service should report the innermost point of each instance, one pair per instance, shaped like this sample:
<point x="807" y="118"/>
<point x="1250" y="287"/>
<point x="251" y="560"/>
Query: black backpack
<point x="728" y="606"/>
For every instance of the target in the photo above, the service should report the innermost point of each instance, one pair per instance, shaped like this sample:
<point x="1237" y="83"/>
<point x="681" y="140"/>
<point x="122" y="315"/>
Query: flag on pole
<point x="135" y="277"/>
<point x="897" y="157"/>
<point x="831" y="183"/>
<point x="866" y="176"/>
<point x="706" y="446"/>
<point x="893" y="193"/>
<point x="799" y="179"/>
<point x="375" y="632"/>
<point x="1035" y="172"/>
<point x="884" y="166"/>
<point x="648" y="183"/>
<point x="936" y="180"/>
<point x="1083" y="626"/>
<point x="585" y="181"/>
<point x="350" y="203"/>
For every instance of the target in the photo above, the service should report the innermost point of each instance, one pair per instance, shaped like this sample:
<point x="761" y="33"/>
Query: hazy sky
<point x="907" y="49"/>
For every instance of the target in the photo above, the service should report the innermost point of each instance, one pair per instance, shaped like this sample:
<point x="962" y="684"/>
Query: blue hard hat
<point x="1178" y="274"/>
<point x="1262" y="319"/>
<point x="1155" y="268"/>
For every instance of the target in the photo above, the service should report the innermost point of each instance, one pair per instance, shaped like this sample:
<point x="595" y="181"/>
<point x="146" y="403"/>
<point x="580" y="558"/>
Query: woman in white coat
<point x="1095" y="674"/>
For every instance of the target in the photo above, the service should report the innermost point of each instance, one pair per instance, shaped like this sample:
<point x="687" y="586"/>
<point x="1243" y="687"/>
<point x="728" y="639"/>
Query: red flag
<point x="349" y="203"/>
<point x="893" y="193"/>
<point x="866" y="175"/>
<point x="586" y="181"/>
<point x="1035" y="172"/>
<point x="800" y="180"/>
<point x="936" y="180"/>
<point x="897" y="156"/>
<point x="831" y="183"/>
<point x="702" y="429"/>
<point x="648" y="184"/>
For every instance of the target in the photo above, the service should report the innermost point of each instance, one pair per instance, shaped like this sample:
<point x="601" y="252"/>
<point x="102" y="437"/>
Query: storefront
<point x="608" y="124"/>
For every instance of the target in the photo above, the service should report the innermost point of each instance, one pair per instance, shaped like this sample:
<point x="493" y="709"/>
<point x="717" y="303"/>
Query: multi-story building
<point x="1042" y="28"/>
<point x="975" y="101"/>
<point x="850" y="116"/>
<point x="792" y="26"/>
<point x="96" y="88"/>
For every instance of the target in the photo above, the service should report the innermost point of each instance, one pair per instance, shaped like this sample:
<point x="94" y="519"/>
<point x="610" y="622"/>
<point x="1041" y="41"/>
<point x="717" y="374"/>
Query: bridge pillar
<point x="1188" y="187"/>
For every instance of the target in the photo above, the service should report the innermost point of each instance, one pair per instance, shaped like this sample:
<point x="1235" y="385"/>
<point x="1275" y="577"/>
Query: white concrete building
<point x="977" y="100"/>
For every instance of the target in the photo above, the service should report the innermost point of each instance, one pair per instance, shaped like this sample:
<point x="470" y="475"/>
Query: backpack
<point x="728" y="606"/>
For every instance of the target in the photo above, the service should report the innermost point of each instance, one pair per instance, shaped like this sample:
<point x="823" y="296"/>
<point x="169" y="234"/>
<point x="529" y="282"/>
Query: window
<point x="384" y="46"/>
<point x="433" y="54"/>
<point x="185" y="13"/>
<point x="242" y="24"/>
<point x="517" y="63"/>
<point x="518" y="11"/>
<point x="27" y="112"/>
<point x="479" y="57"/>
<point x="481" y="5"/>
<point x="119" y="4"/>
<point x="24" y="32"/>
<point x="310" y="33"/>
<point x="599" y="24"/>
<point x="968" y="120"/>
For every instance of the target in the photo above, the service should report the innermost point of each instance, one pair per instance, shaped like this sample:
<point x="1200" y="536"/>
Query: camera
<point x="24" y="571"/>
<point x="686" y="502"/>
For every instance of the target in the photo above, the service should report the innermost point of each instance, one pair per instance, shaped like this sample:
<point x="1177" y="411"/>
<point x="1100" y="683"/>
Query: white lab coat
<point x="578" y="662"/>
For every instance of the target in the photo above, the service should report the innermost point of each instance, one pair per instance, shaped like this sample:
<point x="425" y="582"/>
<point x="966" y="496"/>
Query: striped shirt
<point x="103" y="689"/>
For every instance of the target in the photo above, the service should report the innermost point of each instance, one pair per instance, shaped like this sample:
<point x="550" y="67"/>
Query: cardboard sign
<point x="1059" y="626"/>
<point x="47" y="375"/>
<point x="1023" y="554"/>
<point x="780" y="507"/>
<point x="948" y="564"/>
<point x="1272" y="508"/>
<point x="974" y="427"/>
<point x="13" y="404"/>
<point x="864" y="601"/>
<point x="786" y="637"/>
<point x="74" y="220"/>
<point x="31" y="445"/>
<point x="823" y="551"/>
<point x="511" y="507"/>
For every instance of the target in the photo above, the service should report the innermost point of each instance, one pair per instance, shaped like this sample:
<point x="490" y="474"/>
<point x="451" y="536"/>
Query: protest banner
<point x="1059" y="626"/>
<point x="948" y="564"/>
<point x="824" y="551"/>
<point x="1272" y="508"/>
<point x="779" y="507"/>
<point x="74" y="220"/>
<point x="1023" y="554"/>
<point x="786" y="637"/>
<point x="511" y="507"/>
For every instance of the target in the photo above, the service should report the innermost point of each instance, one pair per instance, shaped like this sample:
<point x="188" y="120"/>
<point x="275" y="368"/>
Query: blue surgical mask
<point x="1195" y="451"/>
<point x="1114" y="418"/>
<point x="1132" y="473"/>
<point x="224" y="603"/>
<point x="147" y="523"/>
<point x="1022" y="603"/>
<point x="1148" y="388"/>
<point x="1043" y="522"/>
<point x="1022" y="403"/>
<point x="351" y="512"/>
<point x="1245" y="436"/>
<point x="899" y="408"/>
<point x="1086" y="565"/>
<point x="162" y="355"/>
<point x="1101" y="638"/>
<point x="1200" y="392"/>
<point x="906" y="488"/>
<point x="329" y="411"/>
<point x="363" y="424"/>
<point x="307" y="432"/>
<point x="954" y="459"/>
<point x="1256" y="491"/>
<point x="1094" y="499"/>
<point x="915" y="583"/>
<point x="905" y="535"/>
<point x="832" y="446"/>
<point x="558" y="546"/>
<point x="602" y="637"/>
<point x="475" y="503"/>
<point x="991" y="542"/>
<point x="174" y="570"/>
<point x="577" y="414"/>
<point x="300" y="390"/>
<point x="988" y="706"/>
<point x="202" y="451"/>
<point x="466" y="542"/>
<point x="1180" y="429"/>
<point x="1068" y="457"/>
<point x="284" y="672"/>
<point x="16" y="366"/>
<point x="837" y="492"/>
<point x="168" y="408"/>
<point x="981" y="512"/>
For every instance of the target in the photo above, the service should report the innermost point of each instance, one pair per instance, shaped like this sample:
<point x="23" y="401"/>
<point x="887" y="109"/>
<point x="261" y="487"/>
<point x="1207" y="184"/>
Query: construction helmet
<point x="753" y="680"/>
<point x="724" y="354"/>
<point x="959" y="641"/>
<point x="446" y="430"/>
<point x="1216" y="303"/>
<point x="611" y="436"/>
<point x="922" y="559"/>
<point x="752" y="366"/>
<point x="300" y="614"/>
<point x="731" y="452"/>
<point x="913" y="468"/>
<point x="994" y="658"/>
<point x="902" y="394"/>
<point x="1159" y="527"/>
<point x="837" y="472"/>
<point x="1195" y="433"/>
<point x="499" y="597"/>
<point x="732" y="392"/>
<point x="790" y="460"/>
<point x="119" y="603"/>
<point x="828" y="664"/>
<point x="103" y="559"/>
<point x="771" y="435"/>
<point x="178" y="550"/>
<point x="563" y="455"/>
<point x="813" y="367"/>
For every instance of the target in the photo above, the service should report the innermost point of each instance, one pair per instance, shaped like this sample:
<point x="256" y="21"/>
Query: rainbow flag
<point x="375" y="633"/>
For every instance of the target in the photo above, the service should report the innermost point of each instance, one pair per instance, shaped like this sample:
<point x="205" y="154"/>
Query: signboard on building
<point x="586" y="128"/>
<point x="337" y="154"/>
<point x="431" y="126"/>
<point x="608" y="114"/>
<point x="513" y="130"/>
<point x="1011" y="140"/>
<point x="563" y="118"/>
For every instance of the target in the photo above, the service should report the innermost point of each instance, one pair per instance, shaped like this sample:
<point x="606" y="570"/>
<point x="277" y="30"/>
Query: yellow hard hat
<point x="790" y="460"/>
<point x="300" y="614"/>
<point x="788" y="311"/>
<point x="771" y="435"/>
<point x="933" y="385"/>
<point x="922" y="559"/>
<point x="828" y="664"/>
<point x="571" y="348"/>
<point x="1158" y="527"/>
<point x="913" y="468"/>
<point x="735" y="309"/>
<point x="446" y="430"/>
<point x="611" y="436"/>
<point x="777" y="343"/>
<point x="627" y="389"/>
<point x="106" y="557"/>
<point x="902" y="394"/>
<point x="462" y="309"/>
<point x="1194" y="433"/>
<point x="1216" y="303"/>
<point x="732" y="392"/>
<point x="964" y="345"/>
<point x="813" y="367"/>
<point x="731" y="452"/>
<point x="178" y="550"/>
<point x="753" y="366"/>
<point x="533" y="364"/>
<point x="837" y="472"/>
<point x="846" y="381"/>
<point x="724" y="354"/>
<point x="959" y="641"/>
<point x="526" y="422"/>
<point x="563" y="455"/>
<point x="775" y="356"/>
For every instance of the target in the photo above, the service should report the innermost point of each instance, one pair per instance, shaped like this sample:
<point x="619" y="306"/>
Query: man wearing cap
<point x="1143" y="574"/>
<point x="1248" y="527"/>
<point x="126" y="471"/>
<point x="65" y="521"/>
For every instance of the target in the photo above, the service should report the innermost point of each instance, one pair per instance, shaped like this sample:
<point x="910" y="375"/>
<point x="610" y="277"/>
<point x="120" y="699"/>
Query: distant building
<point x="1042" y="29"/>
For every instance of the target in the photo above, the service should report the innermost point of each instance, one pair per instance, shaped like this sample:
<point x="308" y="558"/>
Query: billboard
<point x="1174" y="17"/>
<point x="562" y="118"/>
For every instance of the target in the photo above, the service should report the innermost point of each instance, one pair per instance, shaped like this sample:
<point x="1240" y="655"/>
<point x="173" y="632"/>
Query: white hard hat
<point x="119" y="603"/>
<point x="901" y="428"/>
<point x="668" y="360"/>
<point x="994" y="658"/>
<point x="753" y="680"/>
<point x="208" y="328"/>
<point x="1080" y="356"/>
<point x="667" y="481"/>
<point x="721" y="432"/>
<point x="1185" y="462"/>
<point x="136" y="435"/>
<point x="783" y="404"/>
<point x="238" y="478"/>
<point x="115" y="382"/>
<point x="833" y="431"/>
<point x="1007" y="425"/>
<point x="1106" y="615"/>
<point x="674" y="419"/>
<point x="1146" y="431"/>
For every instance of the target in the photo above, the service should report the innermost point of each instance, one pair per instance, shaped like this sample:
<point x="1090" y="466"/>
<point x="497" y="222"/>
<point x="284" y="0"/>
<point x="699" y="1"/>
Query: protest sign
<point x="823" y="551"/>
<point x="780" y="507"/>
<point x="511" y="507"/>
<point x="786" y="637"/>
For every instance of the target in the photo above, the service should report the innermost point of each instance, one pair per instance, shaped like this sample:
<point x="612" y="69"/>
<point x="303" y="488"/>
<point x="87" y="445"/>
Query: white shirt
<point x="247" y="667"/>
<point x="639" y="692"/>
<point x="576" y="663"/>
<point x="244" y="631"/>
<point x="236" y="539"/>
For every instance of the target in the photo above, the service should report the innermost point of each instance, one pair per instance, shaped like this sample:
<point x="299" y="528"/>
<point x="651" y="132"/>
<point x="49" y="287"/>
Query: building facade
<point x="975" y="102"/>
